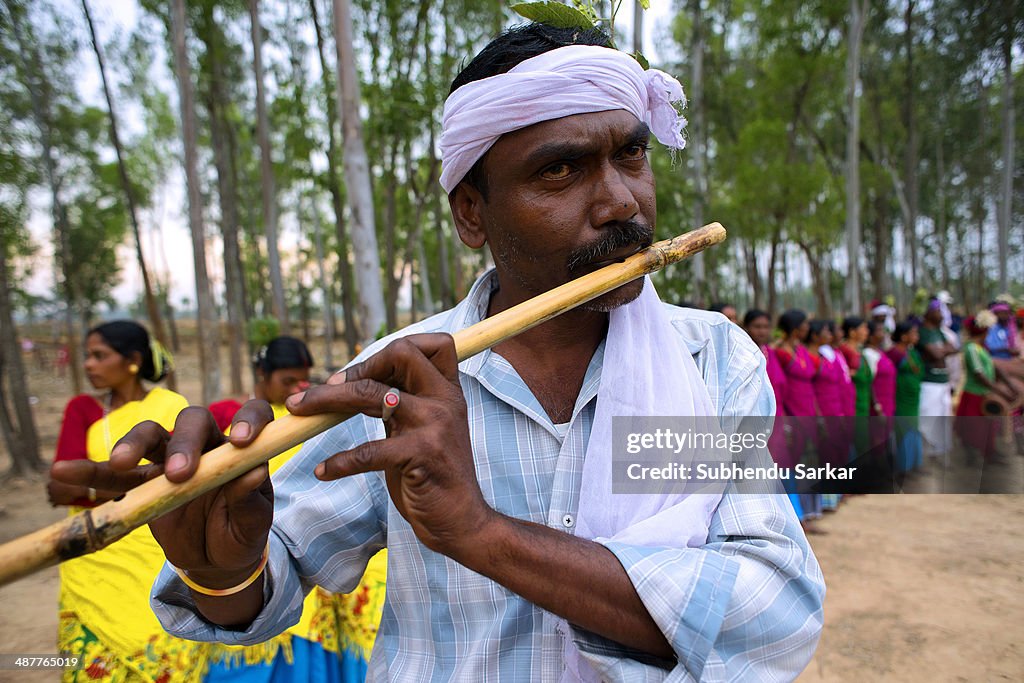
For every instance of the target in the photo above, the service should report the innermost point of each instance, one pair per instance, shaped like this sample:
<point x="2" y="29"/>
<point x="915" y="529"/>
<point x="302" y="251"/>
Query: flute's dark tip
<point x="78" y="539"/>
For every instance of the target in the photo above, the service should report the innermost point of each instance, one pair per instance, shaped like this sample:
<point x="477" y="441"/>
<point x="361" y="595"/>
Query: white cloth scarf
<point x="647" y="371"/>
<point x="577" y="79"/>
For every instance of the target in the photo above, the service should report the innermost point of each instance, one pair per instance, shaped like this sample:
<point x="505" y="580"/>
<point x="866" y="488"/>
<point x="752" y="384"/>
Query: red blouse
<point x="81" y="412"/>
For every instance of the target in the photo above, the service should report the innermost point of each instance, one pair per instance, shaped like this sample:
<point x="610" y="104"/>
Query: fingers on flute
<point x="249" y="421"/>
<point x="250" y="504"/>
<point x="145" y="440"/>
<point x="369" y="457"/>
<point x="414" y="364"/>
<point x="361" y="396"/>
<point x="195" y="431"/>
<point x="100" y="476"/>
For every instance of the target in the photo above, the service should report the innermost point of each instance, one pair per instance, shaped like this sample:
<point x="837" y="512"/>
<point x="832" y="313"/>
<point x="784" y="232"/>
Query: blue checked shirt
<point x="745" y="606"/>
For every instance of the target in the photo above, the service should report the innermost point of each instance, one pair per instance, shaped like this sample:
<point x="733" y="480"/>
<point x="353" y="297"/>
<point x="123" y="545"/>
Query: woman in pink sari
<point x="758" y="325"/>
<point x="883" y="390"/>
<point x="799" y="402"/>
<point x="830" y="392"/>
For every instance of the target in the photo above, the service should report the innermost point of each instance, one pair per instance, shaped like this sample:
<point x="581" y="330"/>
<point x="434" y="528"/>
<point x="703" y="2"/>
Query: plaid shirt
<point x="745" y="606"/>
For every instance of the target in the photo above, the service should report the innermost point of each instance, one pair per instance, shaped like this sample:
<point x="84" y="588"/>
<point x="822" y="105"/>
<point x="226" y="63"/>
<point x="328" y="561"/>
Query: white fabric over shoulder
<point x="646" y="372"/>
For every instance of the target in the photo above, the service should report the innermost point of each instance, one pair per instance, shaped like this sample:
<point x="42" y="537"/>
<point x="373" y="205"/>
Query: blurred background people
<point x="909" y="371"/>
<point x="935" y="407"/>
<point x="105" y="617"/>
<point x="332" y="626"/>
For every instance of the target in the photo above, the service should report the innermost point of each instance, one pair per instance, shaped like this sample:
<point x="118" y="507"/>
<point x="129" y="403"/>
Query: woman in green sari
<point x="909" y="372"/>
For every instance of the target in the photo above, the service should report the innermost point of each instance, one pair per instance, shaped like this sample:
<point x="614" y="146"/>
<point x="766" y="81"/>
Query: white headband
<point x="578" y="79"/>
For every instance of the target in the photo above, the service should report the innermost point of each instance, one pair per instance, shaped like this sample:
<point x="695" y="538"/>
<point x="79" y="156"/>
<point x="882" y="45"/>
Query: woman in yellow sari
<point x="105" y="617"/>
<point x="335" y="634"/>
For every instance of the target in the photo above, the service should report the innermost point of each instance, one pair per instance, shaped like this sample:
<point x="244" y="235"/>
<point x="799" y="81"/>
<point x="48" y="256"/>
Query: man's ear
<point x="467" y="203"/>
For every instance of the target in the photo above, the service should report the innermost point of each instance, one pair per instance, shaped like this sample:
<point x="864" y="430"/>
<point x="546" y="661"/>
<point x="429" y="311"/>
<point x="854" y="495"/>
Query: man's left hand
<point x="427" y="458"/>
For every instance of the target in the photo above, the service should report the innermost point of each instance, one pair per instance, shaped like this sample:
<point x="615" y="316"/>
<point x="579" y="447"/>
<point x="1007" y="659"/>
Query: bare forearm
<point x="579" y="580"/>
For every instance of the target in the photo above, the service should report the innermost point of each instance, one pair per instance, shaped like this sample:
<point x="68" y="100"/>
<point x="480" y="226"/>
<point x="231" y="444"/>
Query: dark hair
<point x="851" y="322"/>
<point x="753" y="314"/>
<point x="791" y="319"/>
<point x="516" y="45"/>
<point x="817" y="325"/>
<point x="720" y="306"/>
<point x="873" y="326"/>
<point x="901" y="329"/>
<point x="128" y="337"/>
<point x="282" y="352"/>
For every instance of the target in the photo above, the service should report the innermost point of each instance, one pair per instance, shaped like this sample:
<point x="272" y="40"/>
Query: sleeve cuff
<point x="283" y="595"/>
<point x="686" y="591"/>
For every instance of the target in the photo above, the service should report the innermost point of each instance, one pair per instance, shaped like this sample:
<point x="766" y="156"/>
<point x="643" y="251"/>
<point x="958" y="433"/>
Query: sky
<point x="170" y="246"/>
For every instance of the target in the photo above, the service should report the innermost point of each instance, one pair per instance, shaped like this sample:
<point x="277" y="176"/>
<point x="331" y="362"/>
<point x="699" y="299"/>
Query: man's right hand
<point x="219" y="537"/>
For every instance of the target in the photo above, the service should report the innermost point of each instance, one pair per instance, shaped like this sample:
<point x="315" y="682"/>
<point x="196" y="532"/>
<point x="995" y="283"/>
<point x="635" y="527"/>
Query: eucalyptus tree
<point x="334" y="186"/>
<point x="218" y="59"/>
<point x="209" y="336"/>
<point x="152" y="309"/>
<point x="267" y="182"/>
<point x="42" y="63"/>
<point x="18" y="173"/>
<point x="357" y="179"/>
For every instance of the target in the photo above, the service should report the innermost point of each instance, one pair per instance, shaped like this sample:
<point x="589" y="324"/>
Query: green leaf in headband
<point x="554" y="14"/>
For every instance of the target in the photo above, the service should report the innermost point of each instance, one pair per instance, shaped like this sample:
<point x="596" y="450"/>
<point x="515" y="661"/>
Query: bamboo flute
<point x="96" y="528"/>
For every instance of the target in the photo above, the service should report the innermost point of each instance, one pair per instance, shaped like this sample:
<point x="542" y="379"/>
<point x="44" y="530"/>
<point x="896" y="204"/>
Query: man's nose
<point x="613" y="200"/>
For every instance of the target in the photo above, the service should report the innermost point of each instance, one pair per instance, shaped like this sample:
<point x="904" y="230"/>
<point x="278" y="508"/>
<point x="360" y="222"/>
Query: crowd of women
<point x="104" y="615"/>
<point x="864" y="390"/>
<point x="881" y="393"/>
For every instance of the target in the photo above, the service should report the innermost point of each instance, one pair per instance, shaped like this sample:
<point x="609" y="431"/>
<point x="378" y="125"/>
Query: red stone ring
<point x="391" y="400"/>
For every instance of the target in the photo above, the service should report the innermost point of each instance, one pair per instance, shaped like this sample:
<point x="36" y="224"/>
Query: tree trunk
<point x="325" y="284"/>
<point x="337" y="202"/>
<point x="753" y="277"/>
<point x="152" y="309"/>
<point x="392" y="281"/>
<point x="357" y="179"/>
<point x="941" y="226"/>
<point x="911" y="152"/>
<point x="858" y="9"/>
<point x="234" y="280"/>
<point x="819" y="280"/>
<point x="19" y="433"/>
<point x="772" y="293"/>
<point x="1006" y="191"/>
<point x="39" y="91"/>
<point x="638" y="27"/>
<point x="268" y="191"/>
<point x="697" y="133"/>
<point x="209" y="334"/>
<point x="881" y="247"/>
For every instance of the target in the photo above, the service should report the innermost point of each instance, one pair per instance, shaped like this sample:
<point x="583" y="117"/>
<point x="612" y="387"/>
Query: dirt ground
<point x="920" y="587"/>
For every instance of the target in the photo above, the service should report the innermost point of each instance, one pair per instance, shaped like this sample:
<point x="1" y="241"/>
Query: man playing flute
<point x="509" y="558"/>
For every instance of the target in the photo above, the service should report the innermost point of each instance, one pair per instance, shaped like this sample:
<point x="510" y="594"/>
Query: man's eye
<point x="637" y="151"/>
<point x="558" y="171"/>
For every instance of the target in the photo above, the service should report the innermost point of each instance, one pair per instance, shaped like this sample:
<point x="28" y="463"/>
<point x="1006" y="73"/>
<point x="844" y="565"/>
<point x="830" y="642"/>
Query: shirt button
<point x="568" y="521"/>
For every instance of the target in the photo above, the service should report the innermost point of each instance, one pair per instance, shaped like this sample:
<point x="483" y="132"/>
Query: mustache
<point x="624" y="234"/>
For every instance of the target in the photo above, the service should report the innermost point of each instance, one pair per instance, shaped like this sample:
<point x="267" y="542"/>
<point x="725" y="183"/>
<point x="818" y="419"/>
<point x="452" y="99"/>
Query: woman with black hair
<point x="333" y="626"/>
<point x="909" y="372"/>
<point x="855" y="334"/>
<point x="105" y="617"/>
<point x="830" y="382"/>
<point x="883" y="391"/>
<point x="800" y="405"/>
<point x="280" y="369"/>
